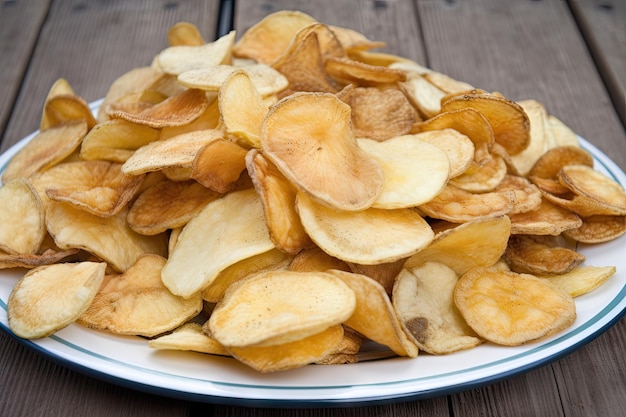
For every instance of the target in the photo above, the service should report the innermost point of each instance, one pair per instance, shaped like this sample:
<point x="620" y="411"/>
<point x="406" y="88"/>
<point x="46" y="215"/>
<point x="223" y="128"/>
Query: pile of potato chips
<point x="283" y="197"/>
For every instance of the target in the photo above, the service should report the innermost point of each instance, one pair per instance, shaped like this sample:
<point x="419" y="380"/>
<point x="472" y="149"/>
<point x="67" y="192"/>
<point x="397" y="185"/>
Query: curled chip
<point x="348" y="235"/>
<point x="178" y="59"/>
<point x="511" y="309"/>
<point x="591" y="184"/>
<point x="136" y="302"/>
<point x="278" y="307"/>
<point x="540" y="255"/>
<point x="189" y="336"/>
<point x="309" y="139"/>
<point x="458" y="148"/>
<point x="583" y="279"/>
<point x="66" y="107"/>
<point x="49" y="298"/>
<point x="423" y="300"/>
<point x="116" y="140"/>
<point x="22" y="224"/>
<point x="598" y="229"/>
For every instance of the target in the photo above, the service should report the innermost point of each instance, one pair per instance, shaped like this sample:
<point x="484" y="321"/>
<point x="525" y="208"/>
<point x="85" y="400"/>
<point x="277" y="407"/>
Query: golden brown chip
<point x="178" y="59"/>
<point x="184" y="33"/>
<point x="458" y="148"/>
<point x="137" y="303"/>
<point x="483" y="177"/>
<point x="384" y="273"/>
<point x="551" y="162"/>
<point x="598" y="229"/>
<point x="22" y="224"/>
<point x="189" y="336"/>
<point x="527" y="195"/>
<point x="446" y="83"/>
<point x="49" y="298"/>
<point x="46" y="149"/>
<point x="168" y="205"/>
<point x="589" y="183"/>
<point x="277" y="307"/>
<point x="511" y="309"/>
<point x="540" y="255"/>
<point x="346" y="70"/>
<point x="208" y="120"/>
<point x="583" y="279"/>
<point x="424" y="302"/>
<point x="278" y="196"/>
<point x="374" y="316"/>
<point x="47" y="257"/>
<point x="315" y="259"/>
<point x="546" y="219"/>
<point x="64" y="108"/>
<point x="309" y="139"/>
<point x="348" y="235"/>
<point x="116" y="140"/>
<point x="219" y="164"/>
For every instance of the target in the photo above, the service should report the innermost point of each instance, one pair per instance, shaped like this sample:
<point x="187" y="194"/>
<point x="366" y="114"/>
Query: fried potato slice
<point x="583" y="279"/>
<point x="116" y="140"/>
<point x="208" y="120"/>
<point x="458" y="206"/>
<point x="46" y="257"/>
<point x="266" y="40"/>
<point x="561" y="134"/>
<point x="347" y="350"/>
<point x="98" y="187"/>
<point x="272" y="260"/>
<point x="109" y="238"/>
<point x="385" y="273"/>
<point x="348" y="235"/>
<point x="168" y="205"/>
<point x="423" y="300"/>
<point x="352" y="40"/>
<point x="587" y="182"/>
<point x="379" y="114"/>
<point x="324" y="159"/>
<point x="550" y="163"/>
<point x="539" y="136"/>
<point x="546" y="219"/>
<point x="242" y="109"/>
<point x="290" y="355"/>
<point x="458" y="148"/>
<point x="278" y="197"/>
<point x="178" y="59"/>
<point x="45" y="150"/>
<point x="178" y="110"/>
<point x="137" y="303"/>
<point x="527" y="196"/>
<point x="22" y="223"/>
<point x="188" y="337"/>
<point x="219" y="164"/>
<point x="374" y="316"/>
<point x="598" y="229"/>
<point x="48" y="298"/>
<point x="226" y="231"/>
<point x="511" y="309"/>
<point x="64" y="108"/>
<point x="424" y="96"/>
<point x="446" y="83"/>
<point x="315" y="259"/>
<point x="179" y="152"/>
<point x="414" y="171"/>
<point x="509" y="121"/>
<point x="346" y="70"/>
<point x="478" y="243"/>
<point x="483" y="177"/>
<point x="265" y="79"/>
<point x="184" y="33"/>
<point x="540" y="255"/>
<point x="277" y="307"/>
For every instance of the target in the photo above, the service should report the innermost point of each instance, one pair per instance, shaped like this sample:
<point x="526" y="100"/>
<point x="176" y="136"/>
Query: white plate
<point x="128" y="361"/>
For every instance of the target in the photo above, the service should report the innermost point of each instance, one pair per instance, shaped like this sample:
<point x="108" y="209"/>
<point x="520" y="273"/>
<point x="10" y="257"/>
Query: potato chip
<point x="587" y="182"/>
<point x="208" y="120"/>
<point x="527" y="196"/>
<point x="168" y="205"/>
<point x="315" y="259"/>
<point x="325" y="160"/>
<point x="511" y="309"/>
<point x="178" y="59"/>
<point x="290" y="355"/>
<point x="347" y="350"/>
<point x="539" y="137"/>
<point x="598" y="229"/>
<point x="374" y="316"/>
<point x="219" y="164"/>
<point x="540" y="255"/>
<point x="546" y="219"/>
<point x="64" y="108"/>
<point x="474" y="244"/>
<point x="98" y="187"/>
<point x="384" y="273"/>
<point x="184" y="33"/>
<point x="45" y="150"/>
<point x="424" y="96"/>
<point x="49" y="298"/>
<point x="22" y="225"/>
<point x="46" y="257"/>
<point x="483" y="177"/>
<point x="346" y="70"/>
<point x="116" y="140"/>
<point x="562" y="135"/>
<point x="277" y="307"/>
<point x="414" y="171"/>
<point x="458" y="148"/>
<point x="188" y="337"/>
<point x="348" y="235"/>
<point x="226" y="231"/>
<point x="109" y="238"/>
<point x="423" y="300"/>
<point x="137" y="303"/>
<point x="550" y="163"/>
<point x="583" y="279"/>
<point x="446" y="83"/>
<point x="278" y="197"/>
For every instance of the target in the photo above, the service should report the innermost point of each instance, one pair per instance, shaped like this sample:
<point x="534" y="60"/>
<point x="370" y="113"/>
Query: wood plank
<point x="20" y="23"/>
<point x="92" y="43"/>
<point x="603" y="24"/>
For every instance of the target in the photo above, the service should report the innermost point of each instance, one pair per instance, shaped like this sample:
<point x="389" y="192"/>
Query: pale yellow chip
<point x="116" y="140"/>
<point x="168" y="205"/>
<point x="583" y="279"/>
<point x="423" y="300"/>
<point x="511" y="309"/>
<point x="474" y="244"/>
<point x="315" y="259"/>
<point x="374" y="316"/>
<point x="540" y="255"/>
<point x="184" y="33"/>
<point x="46" y="149"/>
<point x="22" y="224"/>
<point x="446" y="83"/>
<point x="309" y="139"/>
<point x="349" y="236"/>
<point x="137" y="303"/>
<point x="277" y="307"/>
<point x="109" y="238"/>
<point x="188" y="337"/>
<point x="226" y="231"/>
<point x="414" y="171"/>
<point x="425" y="96"/>
<point x="539" y="137"/>
<point x="178" y="59"/>
<point x="458" y="148"/>
<point x="385" y="273"/>
<point x="51" y="297"/>
<point x="290" y="355"/>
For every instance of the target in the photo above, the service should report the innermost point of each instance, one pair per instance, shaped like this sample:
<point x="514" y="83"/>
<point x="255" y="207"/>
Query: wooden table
<point x="568" y="54"/>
